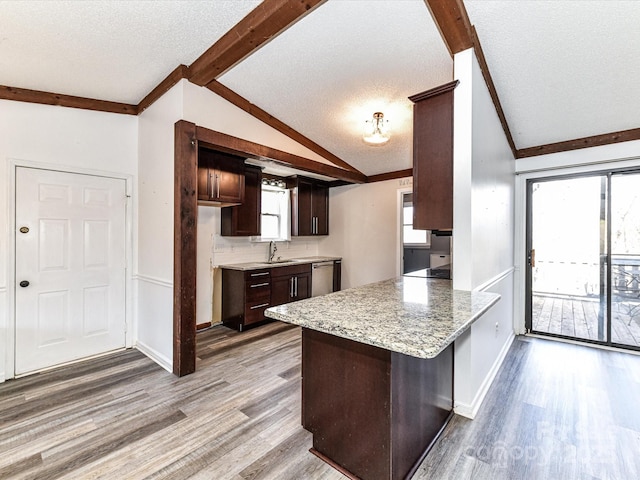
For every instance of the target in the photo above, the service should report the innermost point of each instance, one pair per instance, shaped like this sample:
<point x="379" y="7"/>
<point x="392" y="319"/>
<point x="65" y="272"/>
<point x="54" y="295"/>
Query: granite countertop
<point x="292" y="261"/>
<point x="419" y="317"/>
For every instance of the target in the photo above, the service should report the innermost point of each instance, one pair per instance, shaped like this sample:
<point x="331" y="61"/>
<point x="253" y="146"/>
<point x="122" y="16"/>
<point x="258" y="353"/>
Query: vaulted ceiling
<point x="562" y="69"/>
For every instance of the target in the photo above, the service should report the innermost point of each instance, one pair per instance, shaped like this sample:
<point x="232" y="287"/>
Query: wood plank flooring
<point x="556" y="411"/>
<point x="578" y="317"/>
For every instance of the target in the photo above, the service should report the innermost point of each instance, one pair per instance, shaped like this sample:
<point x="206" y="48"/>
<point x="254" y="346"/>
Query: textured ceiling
<point x="562" y="69"/>
<point x="109" y="50"/>
<point x="332" y="70"/>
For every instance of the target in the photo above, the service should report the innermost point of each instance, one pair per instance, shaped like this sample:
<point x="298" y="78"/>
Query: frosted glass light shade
<point x="376" y="130"/>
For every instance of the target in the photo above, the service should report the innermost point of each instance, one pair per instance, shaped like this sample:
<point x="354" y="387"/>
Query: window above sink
<point x="274" y="214"/>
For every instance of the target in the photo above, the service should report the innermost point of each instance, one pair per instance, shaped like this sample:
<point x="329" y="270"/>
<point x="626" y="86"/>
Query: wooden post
<point x="185" y="220"/>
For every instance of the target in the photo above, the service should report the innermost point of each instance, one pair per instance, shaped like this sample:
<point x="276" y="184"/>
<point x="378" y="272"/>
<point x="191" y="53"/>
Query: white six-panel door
<point x="70" y="267"/>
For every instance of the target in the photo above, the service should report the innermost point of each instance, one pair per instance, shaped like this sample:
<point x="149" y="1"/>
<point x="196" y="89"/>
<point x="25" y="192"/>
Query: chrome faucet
<point x="272" y="250"/>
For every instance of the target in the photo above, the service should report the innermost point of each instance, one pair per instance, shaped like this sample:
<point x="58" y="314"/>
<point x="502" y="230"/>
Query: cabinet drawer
<point x="257" y="276"/>
<point x="254" y="311"/>
<point x="258" y="289"/>
<point x="291" y="270"/>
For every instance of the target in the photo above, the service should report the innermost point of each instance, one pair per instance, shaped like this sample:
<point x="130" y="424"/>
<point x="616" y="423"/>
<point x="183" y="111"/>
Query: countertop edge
<point x="454" y="335"/>
<point x="441" y="343"/>
<point x="247" y="266"/>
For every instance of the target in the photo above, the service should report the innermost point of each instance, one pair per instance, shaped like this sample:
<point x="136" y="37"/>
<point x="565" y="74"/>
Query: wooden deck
<point x="578" y="317"/>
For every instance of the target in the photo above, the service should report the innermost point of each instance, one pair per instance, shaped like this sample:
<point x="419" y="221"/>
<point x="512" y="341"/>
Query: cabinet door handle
<point x="259" y="306"/>
<point x="259" y="274"/>
<point x="296" y="287"/>
<point x="212" y="181"/>
<point x="291" y="287"/>
<point x="260" y="285"/>
<point x="217" y="186"/>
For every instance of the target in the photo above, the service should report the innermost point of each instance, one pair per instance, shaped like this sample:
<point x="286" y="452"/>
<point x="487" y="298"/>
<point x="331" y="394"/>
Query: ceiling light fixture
<point x="376" y="130"/>
<point x="272" y="182"/>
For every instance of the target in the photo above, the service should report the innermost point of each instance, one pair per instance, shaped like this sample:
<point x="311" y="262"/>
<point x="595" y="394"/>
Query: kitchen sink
<point x="281" y="261"/>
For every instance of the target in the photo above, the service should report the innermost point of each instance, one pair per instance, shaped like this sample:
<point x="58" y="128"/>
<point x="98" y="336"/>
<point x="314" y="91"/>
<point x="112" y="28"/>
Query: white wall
<point x="204" y="108"/>
<point x="65" y="139"/>
<point x="483" y="231"/>
<point x="214" y="250"/>
<point x="364" y="230"/>
<point x="154" y="273"/>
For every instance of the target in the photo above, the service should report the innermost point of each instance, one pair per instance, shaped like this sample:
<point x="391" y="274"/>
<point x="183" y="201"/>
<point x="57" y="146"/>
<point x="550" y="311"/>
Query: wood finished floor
<point x="556" y="411"/>
<point x="578" y="317"/>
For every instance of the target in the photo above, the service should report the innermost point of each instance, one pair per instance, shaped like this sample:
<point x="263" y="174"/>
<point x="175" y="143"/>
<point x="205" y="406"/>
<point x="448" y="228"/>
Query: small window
<point x="274" y="215"/>
<point x="418" y="238"/>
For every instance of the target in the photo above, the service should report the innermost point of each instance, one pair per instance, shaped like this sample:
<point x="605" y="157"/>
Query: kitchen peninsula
<point x="377" y="370"/>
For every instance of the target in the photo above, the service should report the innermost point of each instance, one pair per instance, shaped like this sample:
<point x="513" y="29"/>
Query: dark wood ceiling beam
<point x="263" y="23"/>
<point x="244" y="104"/>
<point x="578" y="143"/>
<point x="381" y="177"/>
<point x="459" y="34"/>
<point x="484" y="68"/>
<point x="49" y="98"/>
<point x="238" y="146"/>
<point x="453" y="23"/>
<point x="180" y="72"/>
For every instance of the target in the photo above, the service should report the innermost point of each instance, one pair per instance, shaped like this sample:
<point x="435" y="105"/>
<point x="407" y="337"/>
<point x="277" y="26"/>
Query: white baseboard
<point x="156" y="356"/>
<point x="470" y="411"/>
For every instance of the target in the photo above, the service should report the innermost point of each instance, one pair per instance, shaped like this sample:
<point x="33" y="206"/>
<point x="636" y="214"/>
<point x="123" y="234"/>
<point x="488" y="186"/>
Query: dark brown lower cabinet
<point x="290" y="283"/>
<point x="337" y="275"/>
<point x="245" y="296"/>
<point x="373" y="413"/>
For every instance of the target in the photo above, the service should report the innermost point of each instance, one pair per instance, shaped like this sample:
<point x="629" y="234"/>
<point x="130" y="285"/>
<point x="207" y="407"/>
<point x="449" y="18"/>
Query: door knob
<point x="24" y="229"/>
<point x="24" y="283"/>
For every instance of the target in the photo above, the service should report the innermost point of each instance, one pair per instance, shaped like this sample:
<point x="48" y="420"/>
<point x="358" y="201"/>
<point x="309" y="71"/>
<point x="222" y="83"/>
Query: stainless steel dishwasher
<point x="321" y="278"/>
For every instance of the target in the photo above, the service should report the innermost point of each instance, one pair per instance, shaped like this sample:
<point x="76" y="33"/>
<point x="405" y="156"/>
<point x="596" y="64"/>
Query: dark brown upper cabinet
<point x="244" y="220"/>
<point x="433" y="158"/>
<point x="309" y="207"/>
<point x="220" y="178"/>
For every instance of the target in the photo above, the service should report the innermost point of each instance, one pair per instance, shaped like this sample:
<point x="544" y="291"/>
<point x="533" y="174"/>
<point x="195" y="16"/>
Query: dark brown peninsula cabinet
<point x="291" y="283"/>
<point x="220" y="178"/>
<point x="309" y="206"/>
<point x="433" y="158"/>
<point x="244" y="220"/>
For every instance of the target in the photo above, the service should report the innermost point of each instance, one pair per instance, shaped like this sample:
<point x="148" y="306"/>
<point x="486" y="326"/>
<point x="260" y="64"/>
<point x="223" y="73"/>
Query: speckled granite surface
<point x="419" y="317"/>
<point x="294" y="261"/>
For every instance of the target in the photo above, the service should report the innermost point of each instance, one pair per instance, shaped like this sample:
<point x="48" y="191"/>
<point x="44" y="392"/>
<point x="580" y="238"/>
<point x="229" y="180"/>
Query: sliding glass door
<point x="583" y="247"/>
<point x="625" y="259"/>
